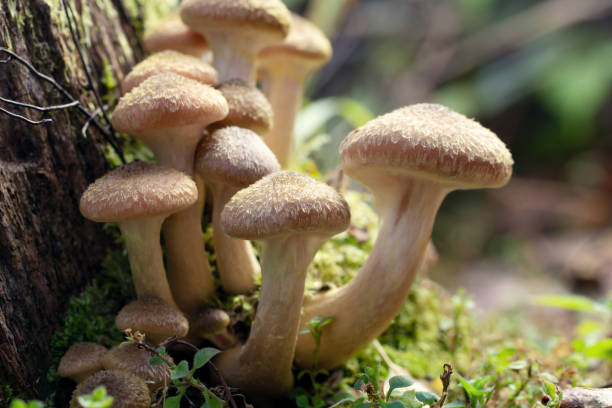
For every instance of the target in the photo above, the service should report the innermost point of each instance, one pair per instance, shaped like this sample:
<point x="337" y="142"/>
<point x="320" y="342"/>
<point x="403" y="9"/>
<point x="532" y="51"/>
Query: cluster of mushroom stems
<point x="215" y="134"/>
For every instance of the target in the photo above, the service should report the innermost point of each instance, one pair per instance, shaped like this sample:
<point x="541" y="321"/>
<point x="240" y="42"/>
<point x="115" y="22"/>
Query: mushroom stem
<point x="188" y="269"/>
<point x="263" y="364"/>
<point x="233" y="57"/>
<point x="145" y="255"/>
<point x="364" y="308"/>
<point x="236" y="262"/>
<point x="284" y="89"/>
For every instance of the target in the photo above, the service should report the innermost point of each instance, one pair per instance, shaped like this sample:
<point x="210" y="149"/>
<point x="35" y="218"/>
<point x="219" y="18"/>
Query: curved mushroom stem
<point x="284" y="88"/>
<point x="364" y="308"/>
<point x="188" y="269"/>
<point x="234" y="56"/>
<point x="145" y="255"/>
<point x="263" y="364"/>
<point x="236" y="262"/>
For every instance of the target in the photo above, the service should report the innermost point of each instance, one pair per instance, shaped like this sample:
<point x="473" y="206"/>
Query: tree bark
<point x="48" y="251"/>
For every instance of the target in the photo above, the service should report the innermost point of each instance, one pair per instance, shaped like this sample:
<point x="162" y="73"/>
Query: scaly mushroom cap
<point x="157" y="319"/>
<point x="170" y="61"/>
<point x="304" y="41"/>
<point x="131" y="359"/>
<point x="234" y="156"/>
<point x="170" y="33"/>
<point x="209" y="321"/>
<point x="248" y="107"/>
<point x="285" y="202"/>
<point x="137" y="190"/>
<point x="269" y="16"/>
<point x="168" y="100"/>
<point x="127" y="390"/>
<point x="433" y="141"/>
<point x="81" y="360"/>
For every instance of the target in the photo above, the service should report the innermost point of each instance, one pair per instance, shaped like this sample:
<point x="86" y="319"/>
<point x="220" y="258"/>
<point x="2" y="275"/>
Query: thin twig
<point x="88" y="122"/>
<point x="30" y="121"/>
<point x="40" y="108"/>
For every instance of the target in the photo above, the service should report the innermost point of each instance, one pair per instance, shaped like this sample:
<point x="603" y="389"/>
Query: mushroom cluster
<point x="216" y="137"/>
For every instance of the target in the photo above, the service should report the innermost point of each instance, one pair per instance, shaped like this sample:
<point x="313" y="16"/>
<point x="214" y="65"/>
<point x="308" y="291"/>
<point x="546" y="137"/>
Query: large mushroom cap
<point x="270" y="16"/>
<point x="234" y="156"/>
<point x="170" y="61"/>
<point x="137" y="190"/>
<point x="127" y="390"/>
<point x="248" y="107"/>
<point x="151" y="315"/>
<point x="430" y="140"/>
<point x="168" y="100"/>
<point x="81" y="360"/>
<point x="129" y="358"/>
<point x="285" y="202"/>
<point x="304" y="41"/>
<point x="171" y="33"/>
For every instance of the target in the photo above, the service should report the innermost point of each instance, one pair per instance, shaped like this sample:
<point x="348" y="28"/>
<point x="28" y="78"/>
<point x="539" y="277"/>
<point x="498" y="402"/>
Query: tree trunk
<point x="48" y="251"/>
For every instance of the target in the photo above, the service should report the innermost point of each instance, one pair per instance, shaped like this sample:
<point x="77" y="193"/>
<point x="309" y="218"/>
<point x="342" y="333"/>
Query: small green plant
<point x="97" y="399"/>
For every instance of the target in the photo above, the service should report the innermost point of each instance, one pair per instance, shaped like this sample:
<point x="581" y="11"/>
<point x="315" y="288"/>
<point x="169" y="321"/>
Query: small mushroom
<point x="248" y="107"/>
<point x="139" y="197"/>
<point x="130" y="358"/>
<point x="283" y="69"/>
<point x="127" y="390"/>
<point x="293" y="215"/>
<point x="81" y="360"/>
<point x="236" y="31"/>
<point x="154" y="317"/>
<point x="410" y="159"/>
<point x="170" y="33"/>
<point x="170" y="61"/>
<point x="169" y="113"/>
<point x="228" y="160"/>
<point x="211" y="323"/>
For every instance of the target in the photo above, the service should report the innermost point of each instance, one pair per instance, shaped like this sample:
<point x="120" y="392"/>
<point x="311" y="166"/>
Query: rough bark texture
<point x="48" y="251"/>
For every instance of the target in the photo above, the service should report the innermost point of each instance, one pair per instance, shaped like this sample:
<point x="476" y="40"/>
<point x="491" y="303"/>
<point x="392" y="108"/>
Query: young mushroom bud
<point x="154" y="317"/>
<point x="293" y="215"/>
<point x="170" y="33"/>
<point x="130" y="358"/>
<point x="228" y="160"/>
<point x="283" y="69"/>
<point x="81" y="360"/>
<point x="127" y="390"/>
<point x="169" y="113"/>
<point x="211" y="323"/>
<point x="236" y="31"/>
<point x="170" y="61"/>
<point x="409" y="159"/>
<point x="139" y="197"/>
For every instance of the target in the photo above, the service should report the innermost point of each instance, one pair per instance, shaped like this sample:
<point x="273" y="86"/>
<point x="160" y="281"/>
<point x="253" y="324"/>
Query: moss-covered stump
<point x="47" y="250"/>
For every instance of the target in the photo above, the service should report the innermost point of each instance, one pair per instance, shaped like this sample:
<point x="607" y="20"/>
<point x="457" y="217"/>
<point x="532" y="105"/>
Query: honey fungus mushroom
<point x="410" y="159"/>
<point x="139" y="197"/>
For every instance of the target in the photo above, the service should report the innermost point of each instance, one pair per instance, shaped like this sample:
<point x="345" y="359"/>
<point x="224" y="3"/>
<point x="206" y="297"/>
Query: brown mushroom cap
<point x="285" y="202"/>
<point x="157" y="319"/>
<point x="170" y="61"/>
<point x="137" y="190"/>
<point x="168" y="100"/>
<point x="209" y="321"/>
<point x="234" y="156"/>
<point x="81" y="360"/>
<point x="270" y="16"/>
<point x="248" y="107"/>
<point x="432" y="141"/>
<point x="304" y="41"/>
<point x="170" y="33"/>
<point x="129" y="358"/>
<point x="127" y="390"/>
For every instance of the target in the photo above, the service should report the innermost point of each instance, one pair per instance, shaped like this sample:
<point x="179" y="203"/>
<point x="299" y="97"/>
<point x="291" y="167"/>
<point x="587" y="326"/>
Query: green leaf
<point x="399" y="381"/>
<point x="395" y="404"/>
<point x="173" y="402"/>
<point x="568" y="302"/>
<point x="518" y="365"/>
<point x="601" y="349"/>
<point x="181" y="371"/>
<point x="550" y="389"/>
<point x="455" y="404"/>
<point x="213" y="402"/>
<point x="18" y="404"/>
<point x="203" y="356"/>
<point x="156" y="360"/>
<point x="426" y="397"/>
